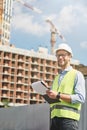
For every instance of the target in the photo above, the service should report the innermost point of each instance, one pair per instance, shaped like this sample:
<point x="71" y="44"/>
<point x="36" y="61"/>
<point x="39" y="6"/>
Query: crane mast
<point x="54" y="33"/>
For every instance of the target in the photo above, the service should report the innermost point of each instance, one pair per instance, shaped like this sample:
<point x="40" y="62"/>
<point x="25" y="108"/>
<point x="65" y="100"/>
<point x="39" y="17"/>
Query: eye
<point x="62" y="55"/>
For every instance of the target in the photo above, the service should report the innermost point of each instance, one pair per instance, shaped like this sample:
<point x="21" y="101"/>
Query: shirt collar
<point x="65" y="70"/>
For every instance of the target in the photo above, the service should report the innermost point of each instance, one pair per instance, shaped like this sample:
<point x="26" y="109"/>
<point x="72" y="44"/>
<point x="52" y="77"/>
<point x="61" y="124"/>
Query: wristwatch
<point x="58" y="96"/>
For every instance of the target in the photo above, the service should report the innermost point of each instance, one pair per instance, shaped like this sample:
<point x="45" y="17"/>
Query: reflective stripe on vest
<point x="65" y="108"/>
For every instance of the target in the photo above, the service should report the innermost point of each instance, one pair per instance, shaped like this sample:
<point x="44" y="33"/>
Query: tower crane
<point x="29" y="6"/>
<point x="54" y="32"/>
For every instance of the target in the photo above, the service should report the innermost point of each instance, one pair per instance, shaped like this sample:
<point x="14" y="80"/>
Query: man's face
<point x="63" y="58"/>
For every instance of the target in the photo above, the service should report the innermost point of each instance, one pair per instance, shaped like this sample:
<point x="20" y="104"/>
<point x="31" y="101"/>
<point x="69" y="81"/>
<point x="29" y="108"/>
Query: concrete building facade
<point x="18" y="69"/>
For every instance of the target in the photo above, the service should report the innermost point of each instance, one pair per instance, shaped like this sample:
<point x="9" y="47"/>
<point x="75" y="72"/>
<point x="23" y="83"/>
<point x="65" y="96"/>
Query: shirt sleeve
<point x="79" y="89"/>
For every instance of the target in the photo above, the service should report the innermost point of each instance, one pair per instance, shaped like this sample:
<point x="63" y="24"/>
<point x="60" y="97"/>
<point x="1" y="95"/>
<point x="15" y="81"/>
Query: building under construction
<point x="5" y="21"/>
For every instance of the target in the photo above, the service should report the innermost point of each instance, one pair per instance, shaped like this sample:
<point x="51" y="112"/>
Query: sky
<point x="29" y="29"/>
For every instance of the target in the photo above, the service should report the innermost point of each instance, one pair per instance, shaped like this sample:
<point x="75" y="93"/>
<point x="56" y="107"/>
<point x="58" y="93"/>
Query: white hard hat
<point x="64" y="46"/>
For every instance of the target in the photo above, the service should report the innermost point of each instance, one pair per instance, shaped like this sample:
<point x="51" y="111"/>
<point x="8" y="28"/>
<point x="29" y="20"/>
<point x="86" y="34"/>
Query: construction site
<point x="19" y="68"/>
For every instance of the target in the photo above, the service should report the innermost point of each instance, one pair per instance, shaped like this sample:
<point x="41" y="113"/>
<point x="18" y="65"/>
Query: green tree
<point x="6" y="103"/>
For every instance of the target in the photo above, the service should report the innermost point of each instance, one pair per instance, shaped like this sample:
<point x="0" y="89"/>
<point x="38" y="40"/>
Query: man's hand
<point x="52" y="94"/>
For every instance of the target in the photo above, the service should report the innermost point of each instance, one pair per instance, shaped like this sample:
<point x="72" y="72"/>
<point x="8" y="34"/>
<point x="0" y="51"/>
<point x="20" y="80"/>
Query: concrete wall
<point x="31" y="117"/>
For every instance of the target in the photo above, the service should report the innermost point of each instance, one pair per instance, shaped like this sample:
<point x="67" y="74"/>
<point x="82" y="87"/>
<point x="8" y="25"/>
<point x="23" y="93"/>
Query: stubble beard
<point x="62" y="64"/>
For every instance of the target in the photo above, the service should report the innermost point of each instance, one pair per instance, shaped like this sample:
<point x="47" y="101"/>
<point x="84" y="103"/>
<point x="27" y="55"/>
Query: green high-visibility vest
<point x="64" y="109"/>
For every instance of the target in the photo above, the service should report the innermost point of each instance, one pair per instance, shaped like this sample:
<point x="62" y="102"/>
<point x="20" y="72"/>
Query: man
<point x="69" y="88"/>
